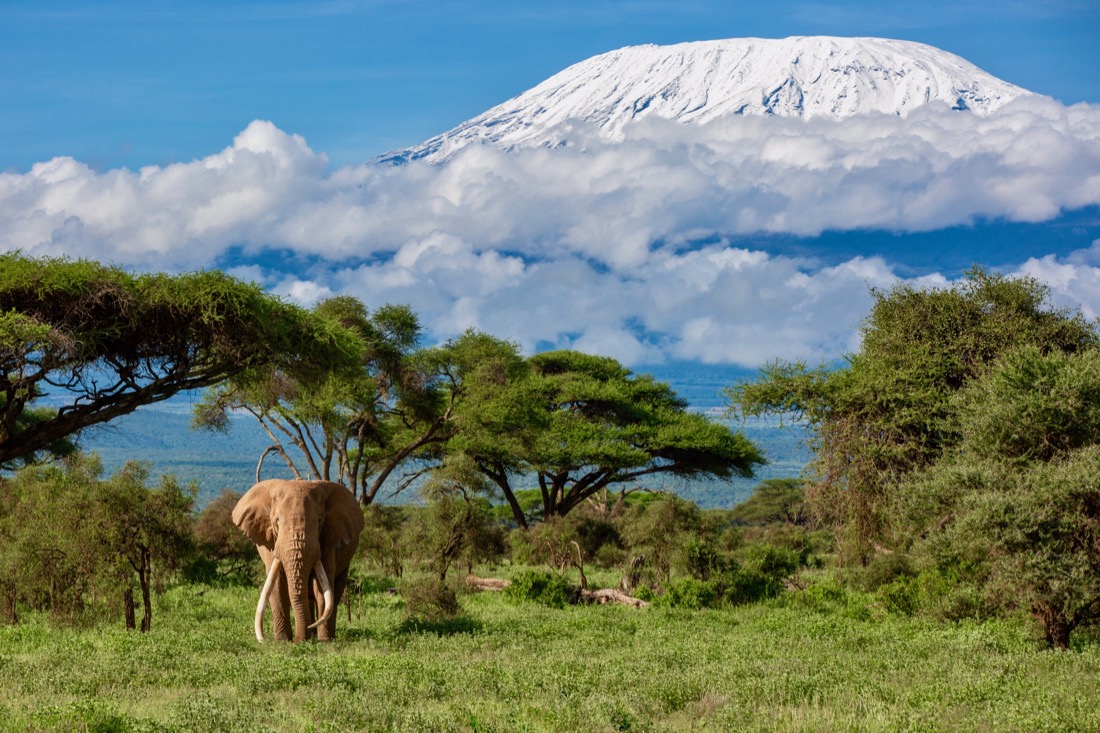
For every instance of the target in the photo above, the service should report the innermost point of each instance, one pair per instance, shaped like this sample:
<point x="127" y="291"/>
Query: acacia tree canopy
<point x="577" y="424"/>
<point x="102" y="342"/>
<point x="356" y="426"/>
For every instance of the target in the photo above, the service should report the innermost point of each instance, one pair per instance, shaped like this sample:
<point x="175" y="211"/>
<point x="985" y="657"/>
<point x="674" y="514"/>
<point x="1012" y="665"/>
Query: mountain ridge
<point x="696" y="82"/>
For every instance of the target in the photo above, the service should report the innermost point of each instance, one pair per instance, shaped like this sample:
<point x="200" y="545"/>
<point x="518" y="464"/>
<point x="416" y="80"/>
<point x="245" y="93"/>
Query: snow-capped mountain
<point x="802" y="76"/>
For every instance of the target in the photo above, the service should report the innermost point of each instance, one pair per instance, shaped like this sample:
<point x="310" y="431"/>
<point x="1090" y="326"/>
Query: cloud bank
<point x="594" y="246"/>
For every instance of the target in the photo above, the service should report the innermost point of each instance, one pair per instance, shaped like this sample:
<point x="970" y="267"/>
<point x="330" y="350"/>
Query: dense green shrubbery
<point x="71" y="541"/>
<point x="540" y="586"/>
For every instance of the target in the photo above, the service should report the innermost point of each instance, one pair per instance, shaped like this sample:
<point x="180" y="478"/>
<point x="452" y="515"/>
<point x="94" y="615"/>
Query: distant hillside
<point x="161" y="434"/>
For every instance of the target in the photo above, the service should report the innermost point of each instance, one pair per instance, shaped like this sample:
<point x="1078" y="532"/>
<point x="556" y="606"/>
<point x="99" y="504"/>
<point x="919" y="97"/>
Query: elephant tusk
<point x="326" y="590"/>
<point x="272" y="573"/>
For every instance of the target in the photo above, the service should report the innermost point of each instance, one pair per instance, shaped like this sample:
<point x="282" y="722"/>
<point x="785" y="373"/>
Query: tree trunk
<point x="129" y="606"/>
<point x="146" y="581"/>
<point x="1056" y="628"/>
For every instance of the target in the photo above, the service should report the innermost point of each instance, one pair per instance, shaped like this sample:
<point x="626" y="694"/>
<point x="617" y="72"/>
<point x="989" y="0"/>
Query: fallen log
<point x="611" y="595"/>
<point x="580" y="595"/>
<point x="487" y="583"/>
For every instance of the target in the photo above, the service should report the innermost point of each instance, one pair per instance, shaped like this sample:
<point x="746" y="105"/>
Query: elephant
<point x="306" y="533"/>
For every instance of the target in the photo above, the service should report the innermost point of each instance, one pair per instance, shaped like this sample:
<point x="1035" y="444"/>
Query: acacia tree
<point x="889" y="411"/>
<point x="577" y="424"/>
<point x="103" y="342"/>
<point x="355" y="427"/>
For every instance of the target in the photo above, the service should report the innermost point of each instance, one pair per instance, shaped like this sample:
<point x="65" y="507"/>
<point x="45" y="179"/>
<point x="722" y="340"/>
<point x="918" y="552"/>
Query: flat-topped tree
<point x="102" y="342"/>
<point x="583" y="423"/>
<point x="357" y="426"/>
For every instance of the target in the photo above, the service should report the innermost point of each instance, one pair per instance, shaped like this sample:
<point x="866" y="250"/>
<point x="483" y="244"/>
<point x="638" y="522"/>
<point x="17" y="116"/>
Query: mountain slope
<point x="803" y="76"/>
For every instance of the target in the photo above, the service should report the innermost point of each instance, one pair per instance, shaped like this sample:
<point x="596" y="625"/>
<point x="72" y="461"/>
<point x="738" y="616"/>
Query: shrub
<point x="883" y="569"/>
<point x="429" y="599"/>
<point x="749" y="585"/>
<point x="703" y="560"/>
<point x="691" y="593"/>
<point x="225" y="553"/>
<point x="774" y="562"/>
<point x="900" y="596"/>
<point x="382" y="541"/>
<point x="660" y="530"/>
<point x="541" y="587"/>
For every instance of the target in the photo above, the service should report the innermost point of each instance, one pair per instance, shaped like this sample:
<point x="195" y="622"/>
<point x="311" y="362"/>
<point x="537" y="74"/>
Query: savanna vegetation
<point x="938" y="569"/>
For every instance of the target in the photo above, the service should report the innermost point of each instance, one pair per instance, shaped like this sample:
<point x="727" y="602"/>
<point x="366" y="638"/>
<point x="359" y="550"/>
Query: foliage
<point x="691" y="593"/>
<point x="457" y="522"/>
<point x="429" y="599"/>
<point x="775" y="500"/>
<point x="661" y="530"/>
<point x="1032" y="407"/>
<point x="107" y="342"/>
<point x="541" y="587"/>
<point x="355" y="426"/>
<point x="69" y="539"/>
<point x="580" y="424"/>
<point x="1042" y="531"/>
<point x="891" y="411"/>
<point x="229" y="550"/>
<point x="1014" y="509"/>
<point x="382" y="541"/>
<point x="757" y="575"/>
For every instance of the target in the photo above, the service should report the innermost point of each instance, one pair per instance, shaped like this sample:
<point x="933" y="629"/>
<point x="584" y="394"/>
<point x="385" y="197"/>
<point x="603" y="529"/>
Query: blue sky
<point x="132" y="83"/>
<point x="174" y="136"/>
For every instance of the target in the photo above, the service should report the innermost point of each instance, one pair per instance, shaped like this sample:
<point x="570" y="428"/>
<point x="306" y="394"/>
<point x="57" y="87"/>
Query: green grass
<point x="504" y="667"/>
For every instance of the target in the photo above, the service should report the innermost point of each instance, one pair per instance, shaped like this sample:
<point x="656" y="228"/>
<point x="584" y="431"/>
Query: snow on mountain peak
<point x="800" y="76"/>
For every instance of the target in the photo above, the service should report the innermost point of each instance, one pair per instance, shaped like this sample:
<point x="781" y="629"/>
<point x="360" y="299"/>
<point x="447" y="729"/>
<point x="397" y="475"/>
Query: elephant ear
<point x="252" y="515"/>
<point x="343" y="518"/>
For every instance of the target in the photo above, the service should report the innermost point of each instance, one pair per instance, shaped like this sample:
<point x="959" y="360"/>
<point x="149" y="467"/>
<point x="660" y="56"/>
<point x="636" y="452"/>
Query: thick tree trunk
<point x="1056" y="629"/>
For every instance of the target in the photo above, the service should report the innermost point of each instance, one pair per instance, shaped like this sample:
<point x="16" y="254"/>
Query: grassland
<point x="503" y="667"/>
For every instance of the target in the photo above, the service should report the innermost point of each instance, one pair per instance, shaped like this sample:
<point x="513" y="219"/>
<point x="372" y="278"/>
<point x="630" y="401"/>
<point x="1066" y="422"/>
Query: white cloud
<point x="1074" y="280"/>
<point x="590" y="246"/>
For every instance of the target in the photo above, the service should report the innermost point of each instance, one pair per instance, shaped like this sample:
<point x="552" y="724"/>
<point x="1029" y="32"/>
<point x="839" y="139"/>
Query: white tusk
<point x="272" y="573"/>
<point x="326" y="590"/>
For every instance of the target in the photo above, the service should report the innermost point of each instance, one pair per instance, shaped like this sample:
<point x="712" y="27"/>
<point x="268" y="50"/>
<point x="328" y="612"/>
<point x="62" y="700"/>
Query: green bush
<point x="541" y="587"/>
<point x="748" y="585"/>
<point x="703" y="560"/>
<point x="883" y="569"/>
<point x="828" y="596"/>
<point x="691" y="593"/>
<point x="900" y="596"/>
<point x="774" y="562"/>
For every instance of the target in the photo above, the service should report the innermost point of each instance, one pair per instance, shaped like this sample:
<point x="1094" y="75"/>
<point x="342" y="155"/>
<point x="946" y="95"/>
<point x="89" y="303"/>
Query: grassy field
<point x="503" y="667"/>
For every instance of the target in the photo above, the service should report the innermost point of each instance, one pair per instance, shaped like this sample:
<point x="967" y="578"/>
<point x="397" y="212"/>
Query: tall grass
<point x="524" y="667"/>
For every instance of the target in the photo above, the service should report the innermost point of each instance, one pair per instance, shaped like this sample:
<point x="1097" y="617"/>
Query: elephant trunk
<point x="297" y="567"/>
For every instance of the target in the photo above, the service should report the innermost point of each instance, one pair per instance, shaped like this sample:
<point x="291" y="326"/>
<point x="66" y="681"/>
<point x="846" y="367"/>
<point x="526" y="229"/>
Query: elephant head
<point x="305" y="531"/>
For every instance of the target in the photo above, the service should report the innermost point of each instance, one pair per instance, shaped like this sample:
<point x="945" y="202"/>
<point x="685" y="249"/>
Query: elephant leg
<point x="338" y="588"/>
<point x="324" y="631"/>
<point x="279" y="602"/>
